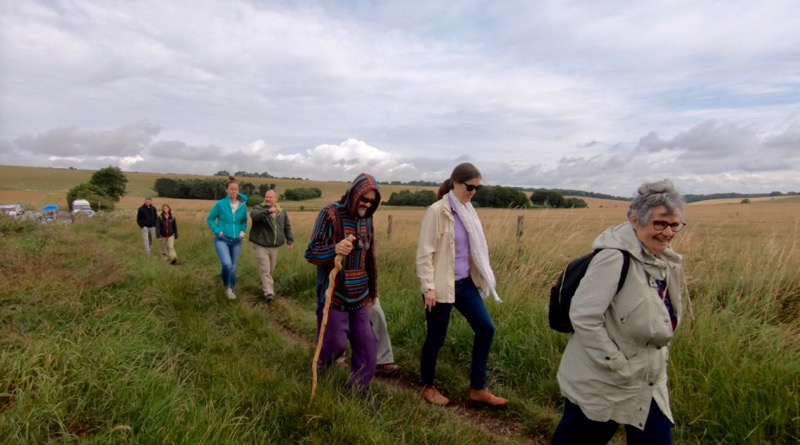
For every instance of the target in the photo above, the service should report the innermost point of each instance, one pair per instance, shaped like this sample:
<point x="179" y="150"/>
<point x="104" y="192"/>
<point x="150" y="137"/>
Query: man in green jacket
<point x="270" y="230"/>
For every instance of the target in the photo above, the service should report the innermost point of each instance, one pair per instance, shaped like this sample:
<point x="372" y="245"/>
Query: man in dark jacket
<point x="146" y="217"/>
<point x="356" y="285"/>
<point x="271" y="228"/>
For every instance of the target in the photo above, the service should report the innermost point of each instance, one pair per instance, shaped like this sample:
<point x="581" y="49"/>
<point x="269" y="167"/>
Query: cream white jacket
<point x="436" y="253"/>
<point x="616" y="361"/>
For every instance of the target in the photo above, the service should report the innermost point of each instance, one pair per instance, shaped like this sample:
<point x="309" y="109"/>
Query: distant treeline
<point x="696" y="198"/>
<point x="215" y="189"/>
<point x="567" y="192"/>
<point x="416" y="183"/>
<point x="494" y="196"/>
<point x="302" y="193"/>
<point x="203" y="188"/>
<point x="244" y="174"/>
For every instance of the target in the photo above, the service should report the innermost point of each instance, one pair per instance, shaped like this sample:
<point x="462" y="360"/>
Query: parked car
<point x="81" y="207"/>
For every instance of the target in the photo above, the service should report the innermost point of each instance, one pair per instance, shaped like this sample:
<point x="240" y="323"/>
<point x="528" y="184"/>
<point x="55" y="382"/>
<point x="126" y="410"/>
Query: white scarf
<point x="478" y="249"/>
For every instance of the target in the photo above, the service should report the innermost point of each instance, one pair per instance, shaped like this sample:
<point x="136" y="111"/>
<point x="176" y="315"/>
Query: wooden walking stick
<point x="337" y="267"/>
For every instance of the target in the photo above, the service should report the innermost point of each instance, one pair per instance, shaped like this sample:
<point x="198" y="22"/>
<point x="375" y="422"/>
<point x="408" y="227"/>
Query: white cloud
<point x="590" y="93"/>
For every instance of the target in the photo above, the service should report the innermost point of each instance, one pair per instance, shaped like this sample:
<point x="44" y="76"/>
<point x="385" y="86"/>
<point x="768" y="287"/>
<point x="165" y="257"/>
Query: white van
<point x="11" y="209"/>
<point x="82" y="207"/>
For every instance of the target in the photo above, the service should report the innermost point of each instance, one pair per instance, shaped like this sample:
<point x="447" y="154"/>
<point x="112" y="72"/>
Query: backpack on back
<point x="562" y="292"/>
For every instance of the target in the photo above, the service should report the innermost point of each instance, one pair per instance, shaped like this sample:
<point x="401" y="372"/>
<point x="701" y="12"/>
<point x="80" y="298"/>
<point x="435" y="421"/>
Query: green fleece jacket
<point x="270" y="230"/>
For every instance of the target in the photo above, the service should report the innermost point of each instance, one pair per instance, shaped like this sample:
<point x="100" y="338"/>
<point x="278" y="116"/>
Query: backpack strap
<point x="626" y="263"/>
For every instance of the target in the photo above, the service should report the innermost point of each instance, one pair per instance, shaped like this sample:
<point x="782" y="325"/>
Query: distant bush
<point x="554" y="199"/>
<point x="103" y="191"/>
<point x="420" y="198"/>
<point x="498" y="196"/>
<point x="92" y="193"/>
<point x="302" y="193"/>
<point x="746" y="201"/>
<point x="198" y="188"/>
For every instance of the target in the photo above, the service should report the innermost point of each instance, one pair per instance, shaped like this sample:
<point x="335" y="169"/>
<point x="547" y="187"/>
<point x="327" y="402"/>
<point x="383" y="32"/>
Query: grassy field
<point x="36" y="187"/>
<point x="103" y="345"/>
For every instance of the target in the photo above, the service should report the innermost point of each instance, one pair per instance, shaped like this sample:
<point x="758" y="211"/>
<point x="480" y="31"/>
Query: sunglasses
<point x="471" y="188"/>
<point x="366" y="200"/>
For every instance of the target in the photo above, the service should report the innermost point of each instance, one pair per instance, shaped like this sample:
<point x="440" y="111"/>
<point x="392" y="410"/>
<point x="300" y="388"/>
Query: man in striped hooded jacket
<point x="356" y="285"/>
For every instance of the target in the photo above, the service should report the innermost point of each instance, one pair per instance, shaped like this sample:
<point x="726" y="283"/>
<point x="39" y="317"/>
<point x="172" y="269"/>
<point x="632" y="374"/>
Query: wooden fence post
<point x="389" y="229"/>
<point x="520" y="225"/>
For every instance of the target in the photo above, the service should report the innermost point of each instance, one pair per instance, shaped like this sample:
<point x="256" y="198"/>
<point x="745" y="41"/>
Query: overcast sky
<point x="594" y="95"/>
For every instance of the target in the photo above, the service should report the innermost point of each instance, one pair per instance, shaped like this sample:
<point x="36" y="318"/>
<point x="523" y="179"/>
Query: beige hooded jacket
<point x="436" y="254"/>
<point x="616" y="361"/>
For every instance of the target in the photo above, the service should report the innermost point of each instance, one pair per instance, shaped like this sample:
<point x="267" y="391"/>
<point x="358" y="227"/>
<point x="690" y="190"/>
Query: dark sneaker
<point x="269" y="298"/>
<point x="387" y="369"/>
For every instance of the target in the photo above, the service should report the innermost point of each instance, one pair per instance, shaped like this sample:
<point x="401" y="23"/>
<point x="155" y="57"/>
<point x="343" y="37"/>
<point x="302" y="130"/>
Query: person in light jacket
<point x="454" y="272"/>
<point x="228" y="221"/>
<point x="614" y="368"/>
<point x="271" y="229"/>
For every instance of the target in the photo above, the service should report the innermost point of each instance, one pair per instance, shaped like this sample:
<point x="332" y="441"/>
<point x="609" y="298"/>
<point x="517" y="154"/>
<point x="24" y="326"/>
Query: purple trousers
<point x="354" y="326"/>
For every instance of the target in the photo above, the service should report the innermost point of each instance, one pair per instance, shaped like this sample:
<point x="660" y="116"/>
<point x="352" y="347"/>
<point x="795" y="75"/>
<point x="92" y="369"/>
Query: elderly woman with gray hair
<point x="614" y="368"/>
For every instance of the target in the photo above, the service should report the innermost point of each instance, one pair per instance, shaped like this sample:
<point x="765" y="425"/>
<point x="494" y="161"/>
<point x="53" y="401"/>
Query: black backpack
<point x="562" y="292"/>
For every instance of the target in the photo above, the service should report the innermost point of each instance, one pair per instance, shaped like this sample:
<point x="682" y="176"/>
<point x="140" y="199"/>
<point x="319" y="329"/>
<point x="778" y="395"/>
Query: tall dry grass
<point x="101" y="344"/>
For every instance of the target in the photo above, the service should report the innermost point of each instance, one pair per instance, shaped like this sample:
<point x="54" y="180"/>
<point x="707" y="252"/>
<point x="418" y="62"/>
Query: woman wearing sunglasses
<point x="454" y="271"/>
<point x="614" y="368"/>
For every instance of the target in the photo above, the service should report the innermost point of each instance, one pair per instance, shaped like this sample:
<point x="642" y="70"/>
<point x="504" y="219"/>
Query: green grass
<point x="100" y="344"/>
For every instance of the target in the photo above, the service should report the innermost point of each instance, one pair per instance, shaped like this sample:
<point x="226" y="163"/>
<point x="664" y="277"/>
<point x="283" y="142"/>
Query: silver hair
<point x="653" y="194"/>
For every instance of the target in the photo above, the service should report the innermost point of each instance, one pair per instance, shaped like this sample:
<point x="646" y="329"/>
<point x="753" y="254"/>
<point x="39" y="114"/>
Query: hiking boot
<point x="484" y="397"/>
<point x="229" y="293"/>
<point x="269" y="298"/>
<point x="387" y="369"/>
<point x="434" y="397"/>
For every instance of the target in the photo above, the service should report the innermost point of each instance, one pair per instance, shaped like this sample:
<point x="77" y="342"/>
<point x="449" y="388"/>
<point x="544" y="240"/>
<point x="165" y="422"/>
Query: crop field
<point x="102" y="344"/>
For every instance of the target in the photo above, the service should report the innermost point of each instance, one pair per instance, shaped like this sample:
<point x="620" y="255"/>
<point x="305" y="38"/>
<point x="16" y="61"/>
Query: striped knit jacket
<point x="357" y="283"/>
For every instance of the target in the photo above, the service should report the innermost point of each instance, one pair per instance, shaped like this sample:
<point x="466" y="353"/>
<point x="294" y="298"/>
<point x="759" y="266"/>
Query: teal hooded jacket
<point x="222" y="219"/>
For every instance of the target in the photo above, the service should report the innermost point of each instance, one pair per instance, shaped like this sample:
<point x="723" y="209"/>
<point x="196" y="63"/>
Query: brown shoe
<point x="483" y="396"/>
<point x="434" y="397"/>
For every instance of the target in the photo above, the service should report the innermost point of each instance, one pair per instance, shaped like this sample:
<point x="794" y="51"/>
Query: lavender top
<point x="462" y="246"/>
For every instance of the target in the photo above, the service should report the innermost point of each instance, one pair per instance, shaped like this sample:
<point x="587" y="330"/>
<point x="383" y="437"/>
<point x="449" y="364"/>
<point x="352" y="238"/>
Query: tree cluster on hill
<point x="201" y="188"/>
<point x="554" y="199"/>
<point x="103" y="191"/>
<point x="494" y="196"/>
<point x="696" y="198"/>
<point x="419" y="198"/>
<point x="244" y="174"/>
<point x="567" y="192"/>
<point x="302" y="193"/>
<point x="415" y="183"/>
<point x="498" y="196"/>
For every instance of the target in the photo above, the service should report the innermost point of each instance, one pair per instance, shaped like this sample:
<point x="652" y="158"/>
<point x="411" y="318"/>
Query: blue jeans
<point x="575" y="427"/>
<point x="229" y="250"/>
<point x="470" y="304"/>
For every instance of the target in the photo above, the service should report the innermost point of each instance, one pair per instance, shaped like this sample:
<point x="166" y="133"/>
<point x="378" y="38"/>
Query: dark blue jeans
<point x="470" y="304"/>
<point x="228" y="250"/>
<point x="576" y="428"/>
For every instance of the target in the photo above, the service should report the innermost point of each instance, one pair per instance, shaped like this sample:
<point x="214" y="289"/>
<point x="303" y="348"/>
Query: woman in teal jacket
<point x="228" y="221"/>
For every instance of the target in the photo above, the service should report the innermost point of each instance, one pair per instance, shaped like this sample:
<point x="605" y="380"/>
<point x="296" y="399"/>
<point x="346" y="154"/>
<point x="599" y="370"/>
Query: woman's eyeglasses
<point x="471" y="188"/>
<point x="366" y="200"/>
<point x="662" y="225"/>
